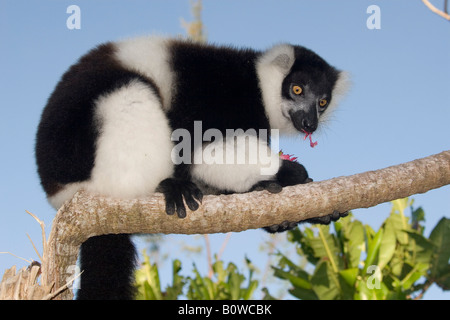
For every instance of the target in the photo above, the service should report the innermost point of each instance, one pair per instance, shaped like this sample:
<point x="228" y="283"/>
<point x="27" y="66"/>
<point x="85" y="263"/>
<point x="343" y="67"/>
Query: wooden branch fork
<point x="88" y="215"/>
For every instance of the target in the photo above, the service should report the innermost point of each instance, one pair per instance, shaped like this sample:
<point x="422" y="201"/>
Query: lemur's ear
<point x="283" y="61"/>
<point x="280" y="56"/>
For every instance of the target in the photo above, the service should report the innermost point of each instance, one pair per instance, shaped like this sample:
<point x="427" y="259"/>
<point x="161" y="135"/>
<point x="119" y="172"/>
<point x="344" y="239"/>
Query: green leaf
<point x="325" y="282"/>
<point x="423" y="248"/>
<point x="234" y="282"/>
<point x="152" y="283"/>
<point x="400" y="205"/>
<point x="248" y="293"/>
<point x="303" y="294"/>
<point x="373" y="248"/>
<point x="388" y="243"/>
<point x="440" y="236"/>
<point x="148" y="282"/>
<point x="178" y="282"/>
<point x="355" y="243"/>
<point x="267" y="295"/>
<point x="417" y="215"/>
<point x="325" y="246"/>
<point x="419" y="270"/>
<point x="351" y="235"/>
<point x="219" y="271"/>
<point x="349" y="275"/>
<point x="444" y="280"/>
<point x="401" y="221"/>
<point x="304" y="239"/>
<point x="296" y="281"/>
<point x="200" y="287"/>
<point x="286" y="262"/>
<point x="368" y="292"/>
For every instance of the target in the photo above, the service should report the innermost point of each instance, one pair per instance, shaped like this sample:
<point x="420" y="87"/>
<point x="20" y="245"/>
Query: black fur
<point x="310" y="69"/>
<point x="214" y="84"/>
<point x="107" y="263"/>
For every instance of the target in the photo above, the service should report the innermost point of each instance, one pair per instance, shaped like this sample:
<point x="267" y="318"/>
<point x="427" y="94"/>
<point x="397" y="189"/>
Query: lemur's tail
<point x="108" y="264"/>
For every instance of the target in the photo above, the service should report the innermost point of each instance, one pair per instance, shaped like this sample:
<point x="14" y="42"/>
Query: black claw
<point x="284" y="226"/>
<point x="271" y="186"/>
<point x="181" y="212"/>
<point x="274" y="187"/>
<point x="335" y="216"/>
<point x="189" y="200"/>
<point x="191" y="203"/>
<point x="272" y="229"/>
<point x="292" y="225"/>
<point x="170" y="208"/>
<point x="196" y="193"/>
<point x="344" y="214"/>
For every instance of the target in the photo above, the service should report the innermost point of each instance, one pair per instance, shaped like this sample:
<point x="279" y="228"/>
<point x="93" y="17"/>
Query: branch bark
<point x="88" y="215"/>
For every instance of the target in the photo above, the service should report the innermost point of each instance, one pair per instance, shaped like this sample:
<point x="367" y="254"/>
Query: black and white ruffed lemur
<point x="107" y="128"/>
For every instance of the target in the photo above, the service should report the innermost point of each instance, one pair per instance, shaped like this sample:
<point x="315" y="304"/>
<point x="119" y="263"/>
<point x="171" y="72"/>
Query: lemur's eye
<point x="297" y="90"/>
<point x="323" y="102"/>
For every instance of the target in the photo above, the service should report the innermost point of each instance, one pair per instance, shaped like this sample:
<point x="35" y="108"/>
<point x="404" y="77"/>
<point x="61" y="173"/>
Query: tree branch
<point x="88" y="215"/>
<point x="443" y="14"/>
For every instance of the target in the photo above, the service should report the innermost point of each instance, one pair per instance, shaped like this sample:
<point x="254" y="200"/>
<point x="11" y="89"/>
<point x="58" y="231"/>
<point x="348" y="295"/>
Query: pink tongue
<point x="311" y="143"/>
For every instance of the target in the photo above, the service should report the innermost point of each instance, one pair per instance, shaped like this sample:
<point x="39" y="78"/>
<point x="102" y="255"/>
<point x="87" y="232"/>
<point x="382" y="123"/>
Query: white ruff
<point x="272" y="67"/>
<point x="341" y="87"/>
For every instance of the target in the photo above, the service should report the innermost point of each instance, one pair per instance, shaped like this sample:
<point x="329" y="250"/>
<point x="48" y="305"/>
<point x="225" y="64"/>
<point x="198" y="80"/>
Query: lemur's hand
<point x="292" y="173"/>
<point x="175" y="190"/>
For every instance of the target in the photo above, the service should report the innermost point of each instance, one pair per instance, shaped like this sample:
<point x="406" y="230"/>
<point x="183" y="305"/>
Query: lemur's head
<point x="299" y="88"/>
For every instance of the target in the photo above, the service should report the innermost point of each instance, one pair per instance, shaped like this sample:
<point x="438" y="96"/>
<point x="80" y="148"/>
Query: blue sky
<point x="397" y="110"/>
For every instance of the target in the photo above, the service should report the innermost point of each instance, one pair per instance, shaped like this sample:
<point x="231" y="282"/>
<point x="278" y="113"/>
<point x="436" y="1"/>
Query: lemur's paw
<point x="328" y="218"/>
<point x="175" y="190"/>
<point x="269" y="185"/>
<point x="292" y="173"/>
<point x="284" y="226"/>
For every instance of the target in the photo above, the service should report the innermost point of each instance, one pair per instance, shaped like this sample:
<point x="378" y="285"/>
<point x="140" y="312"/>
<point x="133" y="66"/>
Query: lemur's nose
<point x="305" y="121"/>
<point x="309" y="125"/>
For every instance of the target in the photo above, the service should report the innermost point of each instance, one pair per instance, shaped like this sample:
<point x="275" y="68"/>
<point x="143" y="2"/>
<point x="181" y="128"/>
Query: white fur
<point x="250" y="162"/>
<point x="272" y="67"/>
<point x="149" y="56"/>
<point x="66" y="193"/>
<point x="341" y="87"/>
<point x="133" y="148"/>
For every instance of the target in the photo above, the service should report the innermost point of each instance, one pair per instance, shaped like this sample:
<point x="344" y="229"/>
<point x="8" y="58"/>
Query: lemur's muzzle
<point x="305" y="121"/>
